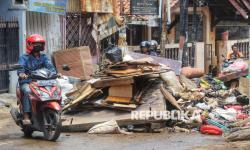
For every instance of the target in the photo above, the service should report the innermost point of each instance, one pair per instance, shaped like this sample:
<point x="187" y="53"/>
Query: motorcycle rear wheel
<point x="52" y="124"/>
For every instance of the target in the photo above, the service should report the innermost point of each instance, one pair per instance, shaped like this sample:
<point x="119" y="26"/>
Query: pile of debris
<point x="120" y="86"/>
<point x="149" y="83"/>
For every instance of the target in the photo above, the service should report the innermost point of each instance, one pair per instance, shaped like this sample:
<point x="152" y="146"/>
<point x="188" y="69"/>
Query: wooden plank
<point x="239" y="8"/>
<point x="78" y="60"/>
<point x="112" y="82"/>
<point x="247" y="4"/>
<point x="77" y="93"/>
<point x="131" y="106"/>
<point x="153" y="100"/>
<point x="115" y="99"/>
<point x="127" y="71"/>
<point x="121" y="91"/>
<point x="83" y="95"/>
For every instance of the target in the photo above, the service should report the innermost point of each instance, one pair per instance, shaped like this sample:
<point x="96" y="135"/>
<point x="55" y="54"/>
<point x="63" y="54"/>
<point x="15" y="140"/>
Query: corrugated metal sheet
<point x="73" y="6"/>
<point x="48" y="26"/>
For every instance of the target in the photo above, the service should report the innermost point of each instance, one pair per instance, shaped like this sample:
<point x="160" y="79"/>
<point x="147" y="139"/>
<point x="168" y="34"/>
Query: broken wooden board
<point x="102" y="104"/>
<point x="126" y="71"/>
<point x="115" y="99"/>
<point x="113" y="82"/>
<point x="170" y="98"/>
<point x="79" y="61"/>
<point x="86" y="92"/>
<point x="153" y="100"/>
<point x="76" y="93"/>
<point x="173" y="64"/>
<point x="139" y="74"/>
<point x="131" y="106"/>
<point x="121" y="91"/>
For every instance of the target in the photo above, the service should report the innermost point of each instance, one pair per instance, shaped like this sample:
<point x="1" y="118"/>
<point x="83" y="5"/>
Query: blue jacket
<point x="30" y="63"/>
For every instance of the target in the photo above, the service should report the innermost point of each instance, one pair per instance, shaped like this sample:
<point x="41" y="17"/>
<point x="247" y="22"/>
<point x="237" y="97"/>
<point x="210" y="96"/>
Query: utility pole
<point x="195" y="32"/>
<point x="164" y="24"/>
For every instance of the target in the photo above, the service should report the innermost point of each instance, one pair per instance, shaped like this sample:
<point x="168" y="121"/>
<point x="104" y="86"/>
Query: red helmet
<point x="34" y="38"/>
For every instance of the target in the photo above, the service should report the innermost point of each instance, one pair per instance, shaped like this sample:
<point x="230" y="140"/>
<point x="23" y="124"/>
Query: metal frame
<point x="9" y="50"/>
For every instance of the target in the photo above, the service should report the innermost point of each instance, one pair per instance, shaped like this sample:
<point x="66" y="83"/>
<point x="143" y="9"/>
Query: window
<point x="19" y="2"/>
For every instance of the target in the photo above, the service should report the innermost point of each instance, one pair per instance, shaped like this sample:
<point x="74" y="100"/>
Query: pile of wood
<point x="120" y="86"/>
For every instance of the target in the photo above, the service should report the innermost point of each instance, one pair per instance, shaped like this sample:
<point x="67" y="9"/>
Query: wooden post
<point x="149" y="33"/>
<point x="183" y="31"/>
<point x="164" y="30"/>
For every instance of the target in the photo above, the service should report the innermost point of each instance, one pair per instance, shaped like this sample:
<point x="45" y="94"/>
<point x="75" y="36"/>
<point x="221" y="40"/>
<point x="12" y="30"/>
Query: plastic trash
<point x="66" y="86"/>
<point x="231" y="100"/>
<point x="242" y="115"/>
<point x="172" y="82"/>
<point x="229" y="114"/>
<point x="236" y="107"/>
<point x="114" y="54"/>
<point x="210" y="129"/>
<point x="217" y="124"/>
<point x="109" y="127"/>
<point x="203" y="106"/>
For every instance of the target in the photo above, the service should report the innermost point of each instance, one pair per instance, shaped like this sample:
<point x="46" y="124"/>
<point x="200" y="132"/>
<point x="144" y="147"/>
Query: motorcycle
<point x="45" y="100"/>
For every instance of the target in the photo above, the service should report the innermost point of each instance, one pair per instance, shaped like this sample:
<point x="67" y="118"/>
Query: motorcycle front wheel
<point x="52" y="124"/>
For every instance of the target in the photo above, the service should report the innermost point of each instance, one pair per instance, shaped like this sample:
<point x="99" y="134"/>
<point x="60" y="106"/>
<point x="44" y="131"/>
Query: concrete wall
<point x="199" y="55"/>
<point x="8" y="12"/>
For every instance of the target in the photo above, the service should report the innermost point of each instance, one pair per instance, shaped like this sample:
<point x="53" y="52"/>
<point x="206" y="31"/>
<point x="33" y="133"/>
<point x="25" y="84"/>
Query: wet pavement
<point x="11" y="138"/>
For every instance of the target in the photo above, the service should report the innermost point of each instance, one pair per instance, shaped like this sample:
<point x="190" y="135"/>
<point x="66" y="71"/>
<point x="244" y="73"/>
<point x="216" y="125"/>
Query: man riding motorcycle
<point x="31" y="61"/>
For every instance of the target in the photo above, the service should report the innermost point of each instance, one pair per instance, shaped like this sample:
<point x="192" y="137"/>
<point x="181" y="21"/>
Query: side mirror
<point x="65" y="67"/>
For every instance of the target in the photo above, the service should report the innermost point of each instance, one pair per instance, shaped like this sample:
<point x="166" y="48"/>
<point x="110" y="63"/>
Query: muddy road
<point x="11" y="138"/>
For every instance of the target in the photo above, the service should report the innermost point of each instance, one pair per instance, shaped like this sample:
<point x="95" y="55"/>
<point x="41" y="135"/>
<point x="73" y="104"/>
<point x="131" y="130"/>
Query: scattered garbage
<point x="110" y="127"/>
<point x="65" y="85"/>
<point x="210" y="129"/>
<point x="119" y="89"/>
<point x="114" y="54"/>
<point x="238" y="65"/>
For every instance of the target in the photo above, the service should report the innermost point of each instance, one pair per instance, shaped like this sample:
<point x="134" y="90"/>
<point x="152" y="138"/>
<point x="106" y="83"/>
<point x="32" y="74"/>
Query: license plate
<point x="46" y="82"/>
